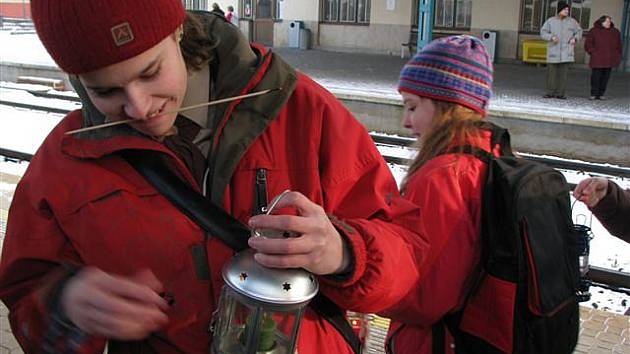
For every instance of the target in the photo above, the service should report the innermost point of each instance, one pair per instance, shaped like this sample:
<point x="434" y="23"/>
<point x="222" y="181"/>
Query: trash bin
<point x="294" y="33"/>
<point x="305" y="38"/>
<point x="489" y="40"/>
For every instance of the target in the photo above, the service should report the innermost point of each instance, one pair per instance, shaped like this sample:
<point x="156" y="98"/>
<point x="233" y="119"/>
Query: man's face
<point x="142" y="88"/>
<point x="564" y="12"/>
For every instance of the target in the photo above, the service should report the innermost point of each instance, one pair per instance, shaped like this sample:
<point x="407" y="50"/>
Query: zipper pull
<point x="260" y="190"/>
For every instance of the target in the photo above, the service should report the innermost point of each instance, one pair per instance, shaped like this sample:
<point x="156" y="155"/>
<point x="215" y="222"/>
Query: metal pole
<point x="426" y="9"/>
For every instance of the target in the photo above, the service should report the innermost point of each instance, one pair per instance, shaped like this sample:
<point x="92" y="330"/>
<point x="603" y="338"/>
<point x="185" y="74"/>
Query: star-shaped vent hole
<point x="243" y="276"/>
<point x="286" y="286"/>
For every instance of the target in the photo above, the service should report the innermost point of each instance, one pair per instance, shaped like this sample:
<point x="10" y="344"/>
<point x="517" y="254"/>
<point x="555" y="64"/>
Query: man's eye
<point x="103" y="93"/>
<point x="151" y="75"/>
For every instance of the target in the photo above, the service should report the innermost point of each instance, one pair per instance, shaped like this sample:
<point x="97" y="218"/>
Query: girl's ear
<point x="179" y="33"/>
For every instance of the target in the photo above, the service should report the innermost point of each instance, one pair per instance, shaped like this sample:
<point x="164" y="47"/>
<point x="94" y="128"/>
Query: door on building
<point x="263" y="22"/>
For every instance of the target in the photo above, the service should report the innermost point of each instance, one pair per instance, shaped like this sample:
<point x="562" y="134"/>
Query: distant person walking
<point x="603" y="43"/>
<point x="562" y="32"/>
<point x="231" y="15"/>
<point x="216" y="9"/>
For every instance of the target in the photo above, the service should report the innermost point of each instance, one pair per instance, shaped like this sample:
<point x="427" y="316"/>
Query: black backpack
<point x="524" y="300"/>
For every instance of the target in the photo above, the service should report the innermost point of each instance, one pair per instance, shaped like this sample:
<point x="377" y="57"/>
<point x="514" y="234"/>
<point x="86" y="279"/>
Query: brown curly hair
<point x="197" y="45"/>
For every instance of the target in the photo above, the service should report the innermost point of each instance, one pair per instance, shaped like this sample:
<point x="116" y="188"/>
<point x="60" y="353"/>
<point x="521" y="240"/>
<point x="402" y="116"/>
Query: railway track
<point x="379" y="139"/>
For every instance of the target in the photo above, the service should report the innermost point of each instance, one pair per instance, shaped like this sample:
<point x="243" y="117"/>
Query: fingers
<point x="136" y="324"/>
<point x="579" y="189"/>
<point x="115" y="307"/>
<point x="132" y="288"/>
<point x="297" y="245"/>
<point x="591" y="190"/>
<point x="284" y="261"/>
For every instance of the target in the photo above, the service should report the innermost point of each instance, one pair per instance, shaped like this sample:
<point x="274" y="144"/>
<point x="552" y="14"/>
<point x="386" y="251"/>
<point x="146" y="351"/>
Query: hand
<point x="572" y="41"/>
<point x="591" y="190"/>
<point x="319" y="248"/>
<point x="116" y="307"/>
<point x="555" y="39"/>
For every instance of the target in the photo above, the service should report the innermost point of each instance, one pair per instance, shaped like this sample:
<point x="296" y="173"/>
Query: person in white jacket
<point x="562" y="32"/>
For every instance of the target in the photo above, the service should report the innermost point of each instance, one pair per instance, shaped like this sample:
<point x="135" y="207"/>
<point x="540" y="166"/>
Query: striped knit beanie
<point x="454" y="69"/>
<point x="85" y="35"/>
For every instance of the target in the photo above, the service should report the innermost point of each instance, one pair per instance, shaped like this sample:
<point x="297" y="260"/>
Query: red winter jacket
<point x="448" y="190"/>
<point x="79" y="203"/>
<point x="604" y="46"/>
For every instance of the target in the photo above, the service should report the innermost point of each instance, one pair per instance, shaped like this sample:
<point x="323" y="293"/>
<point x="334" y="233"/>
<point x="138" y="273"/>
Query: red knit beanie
<point x="85" y="35"/>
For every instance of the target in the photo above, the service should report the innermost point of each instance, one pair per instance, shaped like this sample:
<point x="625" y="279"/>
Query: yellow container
<point x="535" y="51"/>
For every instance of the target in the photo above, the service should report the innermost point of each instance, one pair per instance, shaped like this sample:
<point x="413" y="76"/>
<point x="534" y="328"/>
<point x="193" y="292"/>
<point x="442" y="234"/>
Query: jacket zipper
<point x="260" y="191"/>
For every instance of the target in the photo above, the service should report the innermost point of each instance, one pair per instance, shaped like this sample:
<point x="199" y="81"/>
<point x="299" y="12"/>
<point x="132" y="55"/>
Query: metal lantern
<point x="260" y="308"/>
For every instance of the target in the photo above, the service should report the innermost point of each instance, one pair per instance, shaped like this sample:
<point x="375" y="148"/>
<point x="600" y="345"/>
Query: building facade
<point x="380" y="26"/>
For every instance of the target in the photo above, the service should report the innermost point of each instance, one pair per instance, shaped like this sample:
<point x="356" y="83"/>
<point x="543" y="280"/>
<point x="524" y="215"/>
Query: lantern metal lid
<point x="270" y="285"/>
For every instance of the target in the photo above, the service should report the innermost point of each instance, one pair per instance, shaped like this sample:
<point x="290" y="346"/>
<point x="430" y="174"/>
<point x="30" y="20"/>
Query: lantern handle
<point x="275" y="202"/>
<point x="270" y="208"/>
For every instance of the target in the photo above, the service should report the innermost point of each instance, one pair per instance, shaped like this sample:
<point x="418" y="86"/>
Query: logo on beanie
<point x="122" y="33"/>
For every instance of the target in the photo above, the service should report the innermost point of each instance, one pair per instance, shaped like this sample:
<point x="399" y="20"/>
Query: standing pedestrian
<point x="446" y="89"/>
<point x="216" y="9"/>
<point x="232" y="16"/>
<point x="603" y="43"/>
<point x="92" y="247"/>
<point x="562" y="32"/>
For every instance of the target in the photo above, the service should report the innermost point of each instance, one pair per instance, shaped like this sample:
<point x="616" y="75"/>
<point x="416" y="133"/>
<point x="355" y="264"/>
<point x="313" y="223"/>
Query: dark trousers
<point x="557" y="78"/>
<point x="599" y="81"/>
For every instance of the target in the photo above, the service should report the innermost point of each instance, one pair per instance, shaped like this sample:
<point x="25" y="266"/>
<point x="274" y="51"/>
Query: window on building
<point x="247" y="9"/>
<point x="346" y="11"/>
<point x="535" y="12"/>
<point x="451" y="14"/>
<point x="263" y="8"/>
<point x="195" y="4"/>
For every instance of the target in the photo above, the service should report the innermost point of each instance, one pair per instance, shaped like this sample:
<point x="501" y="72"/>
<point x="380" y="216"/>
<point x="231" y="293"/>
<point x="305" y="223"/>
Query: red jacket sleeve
<point x="33" y="255"/>
<point x="449" y="195"/>
<point x="360" y="191"/>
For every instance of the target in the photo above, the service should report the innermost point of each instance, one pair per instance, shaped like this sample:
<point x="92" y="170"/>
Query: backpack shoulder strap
<point x="222" y="225"/>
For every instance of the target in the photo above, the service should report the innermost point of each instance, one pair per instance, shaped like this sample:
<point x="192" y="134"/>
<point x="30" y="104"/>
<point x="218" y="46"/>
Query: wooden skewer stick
<point x="211" y="103"/>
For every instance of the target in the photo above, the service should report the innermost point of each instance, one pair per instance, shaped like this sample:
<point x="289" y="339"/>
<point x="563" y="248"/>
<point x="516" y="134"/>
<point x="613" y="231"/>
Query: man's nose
<point x="138" y="104"/>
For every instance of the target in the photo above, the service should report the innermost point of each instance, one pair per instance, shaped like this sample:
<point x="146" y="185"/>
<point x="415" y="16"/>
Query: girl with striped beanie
<point x="446" y="88"/>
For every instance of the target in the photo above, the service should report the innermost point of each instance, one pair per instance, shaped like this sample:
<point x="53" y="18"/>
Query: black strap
<point x="481" y="154"/>
<point x="437" y="345"/>
<point x="218" y="223"/>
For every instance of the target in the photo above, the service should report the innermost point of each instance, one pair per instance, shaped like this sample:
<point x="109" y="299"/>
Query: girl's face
<point x="142" y="87"/>
<point x="606" y="23"/>
<point x="419" y="113"/>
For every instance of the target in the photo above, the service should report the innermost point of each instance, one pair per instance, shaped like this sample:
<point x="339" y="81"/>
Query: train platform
<point x="518" y="88"/>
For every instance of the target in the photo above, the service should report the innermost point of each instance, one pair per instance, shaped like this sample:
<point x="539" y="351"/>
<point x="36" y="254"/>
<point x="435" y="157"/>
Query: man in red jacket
<point x="90" y="244"/>
<point x="603" y="43"/>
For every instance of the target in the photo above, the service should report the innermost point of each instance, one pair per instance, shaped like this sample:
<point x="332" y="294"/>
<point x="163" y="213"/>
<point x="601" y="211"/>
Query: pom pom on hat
<point x="85" y="35"/>
<point x="454" y="69"/>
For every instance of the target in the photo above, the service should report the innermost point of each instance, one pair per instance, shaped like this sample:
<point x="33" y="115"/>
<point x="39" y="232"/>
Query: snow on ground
<point x="26" y="48"/>
<point x="24" y="130"/>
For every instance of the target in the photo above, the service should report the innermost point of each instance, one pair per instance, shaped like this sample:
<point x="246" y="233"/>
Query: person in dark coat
<point x="216" y="9"/>
<point x="603" y="43"/>
<point x="608" y="202"/>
